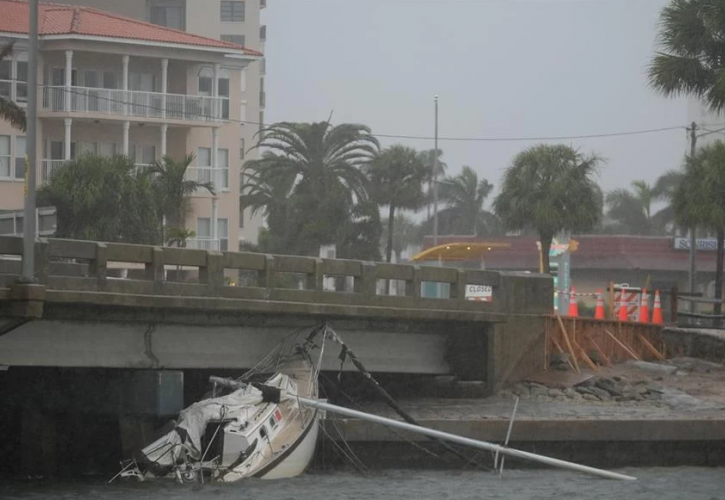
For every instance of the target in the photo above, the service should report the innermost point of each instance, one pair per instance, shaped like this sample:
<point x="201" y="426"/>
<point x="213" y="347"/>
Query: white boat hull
<point x="297" y="462"/>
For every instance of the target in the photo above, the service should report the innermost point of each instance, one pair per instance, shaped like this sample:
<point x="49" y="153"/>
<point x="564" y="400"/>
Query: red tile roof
<point x="55" y="19"/>
<point x="646" y="253"/>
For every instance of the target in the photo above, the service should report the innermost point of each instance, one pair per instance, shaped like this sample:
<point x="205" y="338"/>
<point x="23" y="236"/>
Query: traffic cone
<point x="623" y="309"/>
<point x="657" y="311"/>
<point x="644" y="307"/>
<point x="573" y="306"/>
<point x="599" y="311"/>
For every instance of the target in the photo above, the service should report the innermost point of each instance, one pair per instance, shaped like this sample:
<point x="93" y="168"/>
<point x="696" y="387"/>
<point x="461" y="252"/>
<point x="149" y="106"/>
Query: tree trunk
<point x="719" y="270"/>
<point x="545" y="240"/>
<point x="391" y="222"/>
<point x="389" y="250"/>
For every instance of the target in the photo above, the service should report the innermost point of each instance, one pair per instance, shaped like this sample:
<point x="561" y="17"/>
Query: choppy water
<point x="655" y="484"/>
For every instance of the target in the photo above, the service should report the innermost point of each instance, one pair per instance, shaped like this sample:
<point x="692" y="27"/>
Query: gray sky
<point x="502" y="68"/>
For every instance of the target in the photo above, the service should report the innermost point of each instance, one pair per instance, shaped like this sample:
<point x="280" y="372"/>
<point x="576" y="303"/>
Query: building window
<point x="20" y="152"/>
<point x="169" y="13"/>
<point x="204" y="171"/>
<point x="232" y="12"/>
<point x="5" y="156"/>
<point x="242" y="149"/>
<point x="235" y="39"/>
<point x="203" y="233"/>
<point x="243" y="80"/>
<point x="142" y="154"/>
<point x="22" y="81"/>
<point x="223" y="92"/>
<point x="222" y="231"/>
<point x="223" y="164"/>
<point x="19" y="81"/>
<point x="203" y="230"/>
<point x="206" y="81"/>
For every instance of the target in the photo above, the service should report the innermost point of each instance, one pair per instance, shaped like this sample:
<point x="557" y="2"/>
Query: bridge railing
<point x="57" y="263"/>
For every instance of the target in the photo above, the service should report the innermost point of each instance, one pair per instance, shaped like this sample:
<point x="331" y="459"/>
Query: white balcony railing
<point x="133" y="103"/>
<point x="47" y="167"/>
<point x="202" y="243"/>
<point x="218" y="177"/>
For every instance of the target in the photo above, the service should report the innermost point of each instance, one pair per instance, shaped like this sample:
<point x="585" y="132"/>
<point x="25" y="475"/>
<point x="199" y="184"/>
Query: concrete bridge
<point x="78" y="315"/>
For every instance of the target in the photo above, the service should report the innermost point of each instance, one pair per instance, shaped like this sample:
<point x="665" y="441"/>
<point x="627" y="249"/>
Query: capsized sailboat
<point x="244" y="428"/>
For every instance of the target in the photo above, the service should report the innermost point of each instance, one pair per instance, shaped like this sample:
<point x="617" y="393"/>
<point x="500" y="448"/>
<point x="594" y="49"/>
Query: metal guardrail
<point x="701" y="319"/>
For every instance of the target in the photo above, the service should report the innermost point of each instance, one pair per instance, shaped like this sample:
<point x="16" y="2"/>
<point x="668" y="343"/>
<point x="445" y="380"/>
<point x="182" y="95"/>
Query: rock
<point x="608" y="385"/>
<point x="601" y="393"/>
<point x="556" y="393"/>
<point x="581" y="389"/>
<point x="654" y="388"/>
<point x="521" y="390"/>
<point x="655" y="368"/>
<point x="569" y="392"/>
<point x="590" y="397"/>
<point x="539" y="391"/>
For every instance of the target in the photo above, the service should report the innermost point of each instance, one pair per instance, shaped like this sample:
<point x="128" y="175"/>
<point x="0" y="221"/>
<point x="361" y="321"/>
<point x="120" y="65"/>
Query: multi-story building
<point x="238" y="22"/>
<point x="115" y="85"/>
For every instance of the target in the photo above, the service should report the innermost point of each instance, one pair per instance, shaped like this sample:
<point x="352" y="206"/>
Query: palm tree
<point x="700" y="199"/>
<point x="435" y="170"/>
<point x="174" y="191"/>
<point x="691" y="62"/>
<point x="550" y="188"/>
<point x="631" y="210"/>
<point x="397" y="176"/>
<point x="406" y="233"/>
<point x="322" y="155"/>
<point x="9" y="111"/>
<point x="102" y="199"/>
<point x="465" y="195"/>
<point x="326" y="164"/>
<point x="269" y="193"/>
<point x="664" y="190"/>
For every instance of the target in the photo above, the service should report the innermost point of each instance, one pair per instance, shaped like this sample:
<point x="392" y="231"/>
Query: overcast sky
<point x="502" y="68"/>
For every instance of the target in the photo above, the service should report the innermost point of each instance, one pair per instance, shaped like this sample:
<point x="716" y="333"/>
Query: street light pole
<point x="29" y="225"/>
<point x="435" y="178"/>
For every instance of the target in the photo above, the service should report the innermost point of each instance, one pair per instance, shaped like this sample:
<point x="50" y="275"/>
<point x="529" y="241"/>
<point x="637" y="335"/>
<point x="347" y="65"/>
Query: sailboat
<point x="245" y="427"/>
<point x="266" y="424"/>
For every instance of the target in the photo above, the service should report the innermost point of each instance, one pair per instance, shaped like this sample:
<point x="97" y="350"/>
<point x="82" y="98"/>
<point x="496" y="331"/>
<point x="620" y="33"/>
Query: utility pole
<point x="693" y="230"/>
<point x="29" y="223"/>
<point x="435" y="178"/>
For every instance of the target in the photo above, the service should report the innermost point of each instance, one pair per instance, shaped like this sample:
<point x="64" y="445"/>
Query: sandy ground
<point x="682" y="388"/>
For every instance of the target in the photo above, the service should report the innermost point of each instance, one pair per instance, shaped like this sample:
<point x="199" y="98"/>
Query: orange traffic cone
<point x="573" y="306"/>
<point x="599" y="311"/>
<point x="644" y="307"/>
<point x="657" y="311"/>
<point x="623" y="309"/>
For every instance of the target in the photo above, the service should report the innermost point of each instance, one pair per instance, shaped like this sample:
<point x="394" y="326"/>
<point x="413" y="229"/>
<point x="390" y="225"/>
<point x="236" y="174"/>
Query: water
<point x="653" y="484"/>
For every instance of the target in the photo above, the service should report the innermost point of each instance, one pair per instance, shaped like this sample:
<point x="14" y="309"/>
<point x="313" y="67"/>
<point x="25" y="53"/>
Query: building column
<point x="164" y="84"/>
<point x="124" y="82"/>
<point x="215" y="177"/>
<point x="126" y="130"/>
<point x="215" y="181"/>
<point x="68" y="78"/>
<point x="216" y="105"/>
<point x="164" y="133"/>
<point x="68" y="122"/>
<point x="215" y="223"/>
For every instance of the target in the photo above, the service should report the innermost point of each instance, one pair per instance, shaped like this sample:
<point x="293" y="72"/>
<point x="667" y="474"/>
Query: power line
<point x="171" y="112"/>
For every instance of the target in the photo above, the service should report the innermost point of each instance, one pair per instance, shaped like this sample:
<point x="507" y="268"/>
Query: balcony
<point x="218" y="177"/>
<point x="47" y="167"/>
<point x="130" y="103"/>
<point x="203" y="244"/>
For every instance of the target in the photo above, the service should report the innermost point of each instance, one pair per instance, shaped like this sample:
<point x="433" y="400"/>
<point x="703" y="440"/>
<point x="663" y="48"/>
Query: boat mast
<point x="474" y="443"/>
